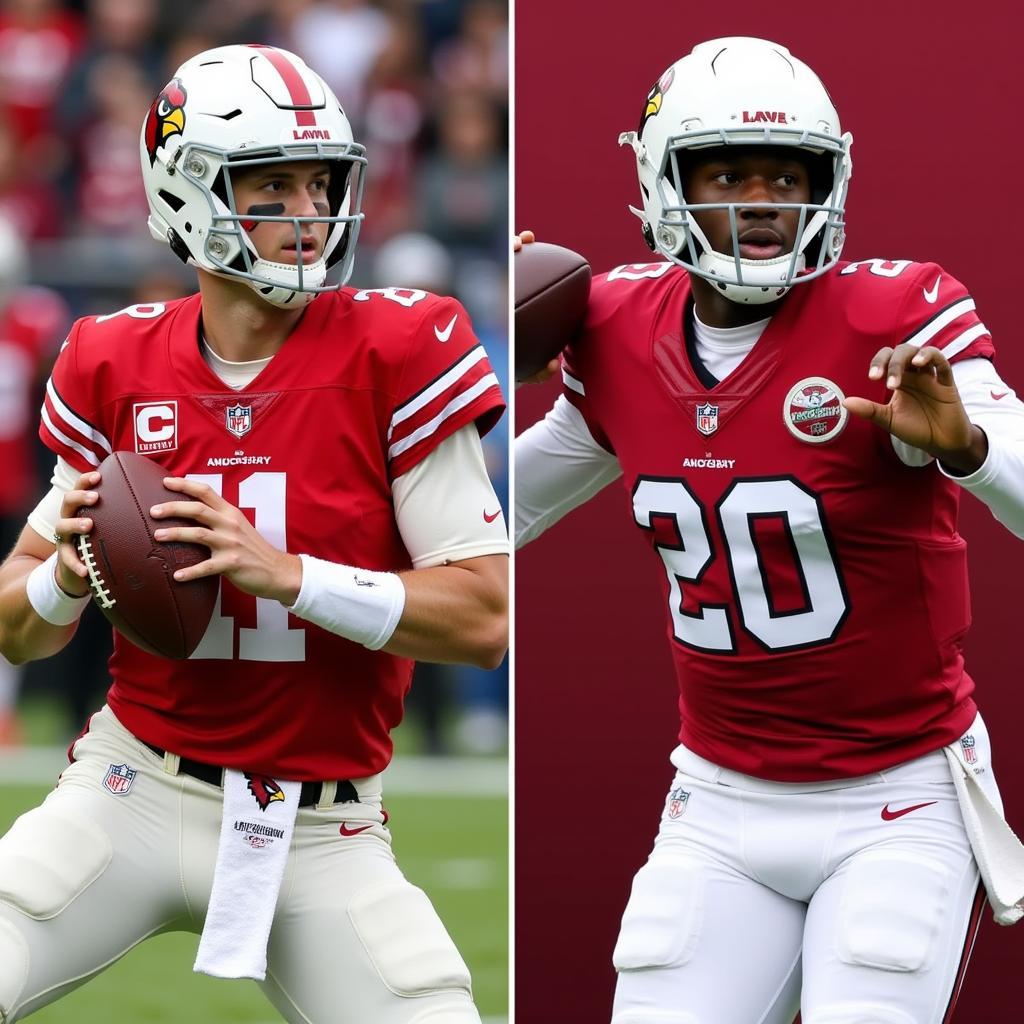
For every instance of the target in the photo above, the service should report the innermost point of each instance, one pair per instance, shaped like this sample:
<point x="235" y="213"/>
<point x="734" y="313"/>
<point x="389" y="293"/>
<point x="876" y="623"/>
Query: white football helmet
<point x="740" y="91"/>
<point x="236" y="107"/>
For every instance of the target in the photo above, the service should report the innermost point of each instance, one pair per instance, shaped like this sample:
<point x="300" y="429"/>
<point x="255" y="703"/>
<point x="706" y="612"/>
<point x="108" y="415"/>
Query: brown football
<point x="552" y="286"/>
<point x="130" y="573"/>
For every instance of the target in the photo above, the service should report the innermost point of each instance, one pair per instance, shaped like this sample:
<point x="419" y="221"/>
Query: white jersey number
<point x="271" y="640"/>
<point x="799" y="512"/>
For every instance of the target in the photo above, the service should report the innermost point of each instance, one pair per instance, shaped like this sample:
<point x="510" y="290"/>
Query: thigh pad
<point x="662" y="920"/>
<point x="406" y="942"/>
<point x="892" y="911"/>
<point x="49" y="857"/>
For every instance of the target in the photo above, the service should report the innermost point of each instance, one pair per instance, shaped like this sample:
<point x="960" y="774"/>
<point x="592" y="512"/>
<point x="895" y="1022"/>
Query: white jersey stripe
<point x="86" y="454"/>
<point x="961" y="342"/>
<point x="460" y="401"/>
<point x="572" y="383"/>
<point x="429" y="393"/>
<point x="944" y="319"/>
<point x="76" y="422"/>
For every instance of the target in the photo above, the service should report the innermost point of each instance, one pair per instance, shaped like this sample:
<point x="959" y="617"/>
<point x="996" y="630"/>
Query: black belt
<point x="309" y="796"/>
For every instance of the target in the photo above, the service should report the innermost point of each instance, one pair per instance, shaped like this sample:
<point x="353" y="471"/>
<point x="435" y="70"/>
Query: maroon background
<point x="932" y="96"/>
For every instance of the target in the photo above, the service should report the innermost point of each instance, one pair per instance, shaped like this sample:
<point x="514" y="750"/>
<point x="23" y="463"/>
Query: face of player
<point x="286" y="189"/>
<point x="746" y="175"/>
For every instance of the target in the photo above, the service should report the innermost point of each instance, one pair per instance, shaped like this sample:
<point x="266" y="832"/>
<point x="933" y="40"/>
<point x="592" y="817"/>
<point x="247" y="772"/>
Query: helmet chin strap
<point x="280" y="282"/>
<point x="763" y="279"/>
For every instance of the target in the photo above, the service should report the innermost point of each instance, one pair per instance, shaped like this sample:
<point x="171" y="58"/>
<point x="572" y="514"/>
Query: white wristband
<point x="358" y="604"/>
<point x="49" y="601"/>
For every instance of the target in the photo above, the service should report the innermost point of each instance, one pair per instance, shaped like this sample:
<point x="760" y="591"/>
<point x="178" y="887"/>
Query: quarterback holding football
<point x="323" y="443"/>
<point x="793" y="432"/>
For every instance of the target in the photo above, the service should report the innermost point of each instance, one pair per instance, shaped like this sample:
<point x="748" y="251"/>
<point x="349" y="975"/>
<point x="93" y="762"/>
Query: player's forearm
<point x="24" y="635"/>
<point x="455" y="613"/>
<point x="451" y="613"/>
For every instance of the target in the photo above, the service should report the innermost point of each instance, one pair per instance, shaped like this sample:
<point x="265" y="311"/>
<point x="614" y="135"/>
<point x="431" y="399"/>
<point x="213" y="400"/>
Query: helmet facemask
<point x="230" y="250"/>
<point x="680" y="237"/>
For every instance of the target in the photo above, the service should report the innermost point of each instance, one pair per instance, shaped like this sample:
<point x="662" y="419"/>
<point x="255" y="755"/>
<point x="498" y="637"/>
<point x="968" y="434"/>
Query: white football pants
<point x="854" y="902"/>
<point x="92" y="872"/>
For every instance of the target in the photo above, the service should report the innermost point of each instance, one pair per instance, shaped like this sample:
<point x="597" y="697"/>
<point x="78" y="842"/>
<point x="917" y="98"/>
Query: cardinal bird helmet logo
<point x="166" y="117"/>
<point x="265" y="790"/>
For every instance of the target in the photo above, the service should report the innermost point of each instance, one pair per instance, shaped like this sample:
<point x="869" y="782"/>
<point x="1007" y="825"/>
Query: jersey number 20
<point x="709" y="627"/>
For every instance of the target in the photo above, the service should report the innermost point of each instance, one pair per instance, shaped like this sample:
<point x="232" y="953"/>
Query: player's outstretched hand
<point x="925" y="410"/>
<point x="237" y="551"/>
<point x="71" y="572"/>
<point x="526" y="237"/>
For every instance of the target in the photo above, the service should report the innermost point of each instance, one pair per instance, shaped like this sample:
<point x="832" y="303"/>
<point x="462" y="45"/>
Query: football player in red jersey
<point x="325" y="442"/>
<point x="834" y="797"/>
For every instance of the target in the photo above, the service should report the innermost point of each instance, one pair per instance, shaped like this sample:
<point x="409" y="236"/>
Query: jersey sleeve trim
<point x="65" y="431"/>
<point x="435" y="388"/>
<point x="942" y="319"/>
<point x="962" y="341"/>
<point x="458" y="403"/>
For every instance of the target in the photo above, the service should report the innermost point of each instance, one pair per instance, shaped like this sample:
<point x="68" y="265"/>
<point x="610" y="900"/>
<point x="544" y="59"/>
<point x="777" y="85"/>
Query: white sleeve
<point x="994" y="406"/>
<point x="43" y="518"/>
<point x="446" y="507"/>
<point x="559" y="466"/>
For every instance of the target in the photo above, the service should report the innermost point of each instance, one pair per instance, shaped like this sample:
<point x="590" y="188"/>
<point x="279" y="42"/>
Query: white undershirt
<point x="441" y="503"/>
<point x="559" y="465"/>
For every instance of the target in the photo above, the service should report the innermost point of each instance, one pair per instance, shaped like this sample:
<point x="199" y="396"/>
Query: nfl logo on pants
<point x="119" y="779"/>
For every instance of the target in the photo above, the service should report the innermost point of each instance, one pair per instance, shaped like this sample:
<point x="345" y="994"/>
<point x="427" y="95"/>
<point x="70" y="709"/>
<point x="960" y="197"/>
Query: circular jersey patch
<point x="814" y="410"/>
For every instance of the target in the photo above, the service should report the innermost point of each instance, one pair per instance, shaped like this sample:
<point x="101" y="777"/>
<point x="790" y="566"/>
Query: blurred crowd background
<point x="425" y="85"/>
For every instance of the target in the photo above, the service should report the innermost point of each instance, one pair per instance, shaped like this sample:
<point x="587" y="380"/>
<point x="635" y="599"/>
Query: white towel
<point x="255" y="836"/>
<point x="996" y="848"/>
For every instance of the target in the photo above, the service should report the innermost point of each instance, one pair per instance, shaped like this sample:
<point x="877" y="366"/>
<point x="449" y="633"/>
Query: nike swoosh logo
<point x="931" y="295"/>
<point x="346" y="831"/>
<point x="447" y="332"/>
<point x="491" y="518"/>
<point x="995" y="397"/>
<point x="888" y="815"/>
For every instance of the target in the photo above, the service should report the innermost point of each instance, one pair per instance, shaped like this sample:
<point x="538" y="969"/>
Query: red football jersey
<point x="790" y="535"/>
<point x="367" y="385"/>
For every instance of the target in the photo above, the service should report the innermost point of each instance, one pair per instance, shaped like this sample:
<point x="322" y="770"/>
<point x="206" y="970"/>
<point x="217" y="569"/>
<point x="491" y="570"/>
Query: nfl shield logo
<point x="967" y="746"/>
<point x="677" y="801"/>
<point x="239" y="419"/>
<point x="707" y="419"/>
<point x="119" y="779"/>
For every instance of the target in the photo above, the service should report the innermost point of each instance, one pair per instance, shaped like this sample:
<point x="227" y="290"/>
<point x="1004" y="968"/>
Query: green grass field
<point x="455" y="847"/>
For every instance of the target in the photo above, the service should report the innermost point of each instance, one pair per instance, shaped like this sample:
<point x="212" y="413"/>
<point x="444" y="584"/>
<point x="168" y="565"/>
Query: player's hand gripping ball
<point x="131" y="574"/>
<point x="552" y="287"/>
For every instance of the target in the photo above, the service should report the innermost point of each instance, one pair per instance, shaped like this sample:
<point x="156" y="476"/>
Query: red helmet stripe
<point x="293" y="83"/>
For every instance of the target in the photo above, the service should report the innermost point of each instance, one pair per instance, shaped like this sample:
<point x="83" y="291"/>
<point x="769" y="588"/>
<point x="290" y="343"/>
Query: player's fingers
<point x="899" y="361"/>
<point x="879" y="363"/>
<point x="195" y="489"/>
<point x="211" y="567"/>
<point x="930" y="357"/>
<point x="87" y="481"/>
<point x="186" y="535"/>
<point x="74" y="500"/>
<point x="185" y="510"/>
<point x="524" y="237"/>
<point x="867" y="410"/>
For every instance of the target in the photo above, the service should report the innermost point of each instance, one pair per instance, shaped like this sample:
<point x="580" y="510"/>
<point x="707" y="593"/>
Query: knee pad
<point x="13" y="966"/>
<point x="892" y="911"/>
<point x="407" y="944"/>
<point x="50" y="856"/>
<point x="855" y="1013"/>
<point x="662" y="920"/>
